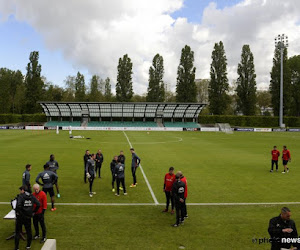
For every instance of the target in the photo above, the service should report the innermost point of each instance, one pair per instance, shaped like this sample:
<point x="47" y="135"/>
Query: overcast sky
<point x="91" y="35"/>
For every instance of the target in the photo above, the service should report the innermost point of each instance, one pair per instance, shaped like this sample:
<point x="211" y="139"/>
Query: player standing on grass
<point x="134" y="165"/>
<point x="24" y="212"/>
<point x="99" y="161"/>
<point x="286" y="157"/>
<point x="168" y="184"/>
<point x="119" y="172"/>
<point x="183" y="179"/>
<point x="178" y="194"/>
<point x="39" y="217"/>
<point x="26" y="178"/>
<point x="49" y="178"/>
<point x="85" y="159"/>
<point x="53" y="166"/>
<point x="90" y="172"/>
<point x="275" y="154"/>
<point x="113" y="164"/>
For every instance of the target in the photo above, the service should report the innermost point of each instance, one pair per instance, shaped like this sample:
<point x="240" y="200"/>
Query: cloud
<point x="94" y="34"/>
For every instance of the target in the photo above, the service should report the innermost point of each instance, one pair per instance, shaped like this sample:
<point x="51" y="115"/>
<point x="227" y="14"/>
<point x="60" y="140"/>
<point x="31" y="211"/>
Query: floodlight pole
<point x="281" y="42"/>
<point x="281" y="89"/>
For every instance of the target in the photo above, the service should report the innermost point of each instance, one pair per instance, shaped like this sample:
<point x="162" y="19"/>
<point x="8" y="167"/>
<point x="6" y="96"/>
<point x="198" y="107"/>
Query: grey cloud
<point x="93" y="34"/>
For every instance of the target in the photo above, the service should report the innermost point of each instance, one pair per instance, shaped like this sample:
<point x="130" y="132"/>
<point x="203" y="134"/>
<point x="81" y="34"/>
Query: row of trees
<point x="246" y="97"/>
<point x="19" y="94"/>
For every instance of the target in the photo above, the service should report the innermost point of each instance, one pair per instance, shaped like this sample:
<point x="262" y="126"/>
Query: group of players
<point x="175" y="188"/>
<point x="93" y="164"/>
<point x="33" y="205"/>
<point x="286" y="157"/>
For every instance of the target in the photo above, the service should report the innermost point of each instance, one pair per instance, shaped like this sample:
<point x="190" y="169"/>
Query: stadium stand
<point x="181" y="125"/>
<point x="63" y="124"/>
<point x="129" y="114"/>
<point x="121" y="124"/>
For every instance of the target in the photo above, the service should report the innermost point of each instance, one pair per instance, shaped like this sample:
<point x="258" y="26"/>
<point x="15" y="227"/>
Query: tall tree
<point x="107" y="90"/>
<point x="294" y="65"/>
<point x="16" y="81"/>
<point x="34" y="84"/>
<point x="156" y="88"/>
<point x="246" y="83"/>
<point x="5" y="80"/>
<point x="124" y="91"/>
<point x="275" y="83"/>
<point x="79" y="88"/>
<point x="218" y="85"/>
<point x="95" y="94"/>
<point x="186" y="90"/>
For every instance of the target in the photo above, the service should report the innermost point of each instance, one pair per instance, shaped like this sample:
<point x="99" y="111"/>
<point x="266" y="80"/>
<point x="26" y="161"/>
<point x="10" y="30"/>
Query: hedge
<point x="17" y="118"/>
<point x="249" y="121"/>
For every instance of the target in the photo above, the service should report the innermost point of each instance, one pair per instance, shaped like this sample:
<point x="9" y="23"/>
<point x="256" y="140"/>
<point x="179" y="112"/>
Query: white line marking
<point x="145" y="177"/>
<point x="163" y="204"/>
<point x="244" y="204"/>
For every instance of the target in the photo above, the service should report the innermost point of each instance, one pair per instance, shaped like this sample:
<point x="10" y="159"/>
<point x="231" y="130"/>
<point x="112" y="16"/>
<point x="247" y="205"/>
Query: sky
<point x="91" y="35"/>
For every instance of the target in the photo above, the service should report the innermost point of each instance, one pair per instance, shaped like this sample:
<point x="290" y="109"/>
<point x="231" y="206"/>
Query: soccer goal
<point x="225" y="127"/>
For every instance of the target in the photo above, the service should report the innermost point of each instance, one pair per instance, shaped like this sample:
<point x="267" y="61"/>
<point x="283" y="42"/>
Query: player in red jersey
<point x="275" y="154"/>
<point x="183" y="179"/>
<point x="38" y="217"/>
<point x="168" y="184"/>
<point x="286" y="157"/>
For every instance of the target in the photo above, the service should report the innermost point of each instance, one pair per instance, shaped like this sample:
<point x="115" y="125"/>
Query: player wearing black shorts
<point x="53" y="166"/>
<point x="135" y="162"/>
<point x="85" y="159"/>
<point x="90" y="172"/>
<point x="119" y="173"/>
<point x="49" y="178"/>
<point x="99" y="160"/>
<point x="113" y="164"/>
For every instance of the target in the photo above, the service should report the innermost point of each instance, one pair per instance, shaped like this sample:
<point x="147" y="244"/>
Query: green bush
<point x="249" y="121"/>
<point x="17" y="118"/>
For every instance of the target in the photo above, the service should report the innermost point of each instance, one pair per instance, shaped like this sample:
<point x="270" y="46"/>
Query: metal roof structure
<point x="122" y="109"/>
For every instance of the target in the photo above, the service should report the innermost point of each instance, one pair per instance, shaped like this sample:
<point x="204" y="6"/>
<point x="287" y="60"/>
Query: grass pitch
<point x="220" y="168"/>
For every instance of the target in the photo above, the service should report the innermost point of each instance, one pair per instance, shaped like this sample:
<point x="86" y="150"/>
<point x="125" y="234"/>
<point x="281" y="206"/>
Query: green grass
<point x="219" y="168"/>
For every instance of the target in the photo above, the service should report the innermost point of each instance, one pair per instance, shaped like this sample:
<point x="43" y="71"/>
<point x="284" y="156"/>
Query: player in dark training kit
<point x="134" y="165"/>
<point x="99" y="161"/>
<point x="275" y="154"/>
<point x="24" y="212"/>
<point x="26" y="178"/>
<point x="183" y="179"/>
<point x="85" y="159"/>
<point x="53" y="166"/>
<point x="119" y="173"/>
<point x="49" y="178"/>
<point x="90" y="172"/>
<point x="113" y="164"/>
<point x="178" y="194"/>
